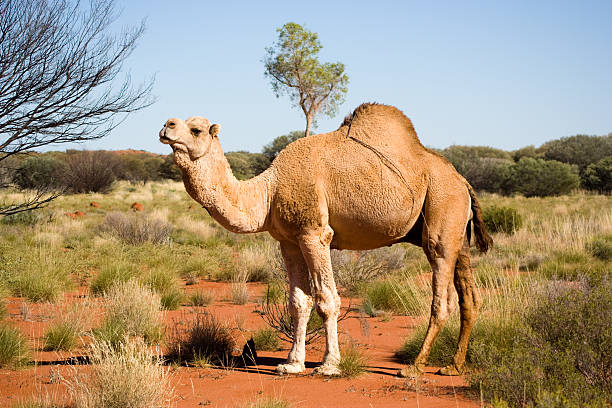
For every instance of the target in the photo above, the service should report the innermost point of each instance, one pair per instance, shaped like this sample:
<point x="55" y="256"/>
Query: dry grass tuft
<point x="124" y="375"/>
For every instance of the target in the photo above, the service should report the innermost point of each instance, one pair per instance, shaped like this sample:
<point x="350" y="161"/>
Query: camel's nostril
<point x="170" y="124"/>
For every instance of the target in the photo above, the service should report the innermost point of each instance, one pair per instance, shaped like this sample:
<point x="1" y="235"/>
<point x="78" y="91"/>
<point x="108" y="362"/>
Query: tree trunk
<point x="308" y="123"/>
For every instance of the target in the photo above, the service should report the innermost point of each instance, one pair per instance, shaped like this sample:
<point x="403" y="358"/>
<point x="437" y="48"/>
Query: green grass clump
<point x="204" y="341"/>
<point x="172" y="299"/>
<point x="601" y="247"/>
<point x="110" y="275"/>
<point x="201" y="298"/>
<point x="41" y="286"/>
<point x="571" y="265"/>
<point x="166" y="285"/>
<point x="14" y="350"/>
<point x="352" y="363"/>
<point x="502" y="219"/>
<point x="266" y="339"/>
<point x="394" y="295"/>
<point x="61" y="336"/>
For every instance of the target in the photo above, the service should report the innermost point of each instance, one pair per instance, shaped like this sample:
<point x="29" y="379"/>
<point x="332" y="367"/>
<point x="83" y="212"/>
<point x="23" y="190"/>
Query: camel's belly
<point x="367" y="224"/>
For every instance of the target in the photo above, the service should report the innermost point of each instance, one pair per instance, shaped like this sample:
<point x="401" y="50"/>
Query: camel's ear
<point x="214" y="130"/>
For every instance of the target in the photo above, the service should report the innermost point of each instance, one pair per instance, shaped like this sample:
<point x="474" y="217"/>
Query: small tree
<point x="293" y="68"/>
<point x="59" y="69"/>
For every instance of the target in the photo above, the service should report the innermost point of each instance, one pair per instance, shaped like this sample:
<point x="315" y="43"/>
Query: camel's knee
<point x="328" y="304"/>
<point x="300" y="303"/>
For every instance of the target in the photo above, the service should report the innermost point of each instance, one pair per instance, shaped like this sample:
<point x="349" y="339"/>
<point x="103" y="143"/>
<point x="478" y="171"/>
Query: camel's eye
<point x="196" y="132"/>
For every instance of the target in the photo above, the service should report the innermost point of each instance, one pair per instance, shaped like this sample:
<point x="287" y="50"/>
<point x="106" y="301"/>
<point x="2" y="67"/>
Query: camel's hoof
<point x="412" y="371"/>
<point x="327" y="370"/>
<point x="449" y="370"/>
<point x="290" y="368"/>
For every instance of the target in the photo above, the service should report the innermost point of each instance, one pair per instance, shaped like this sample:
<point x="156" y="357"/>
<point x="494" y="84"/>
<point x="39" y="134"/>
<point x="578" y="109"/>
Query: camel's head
<point x="192" y="136"/>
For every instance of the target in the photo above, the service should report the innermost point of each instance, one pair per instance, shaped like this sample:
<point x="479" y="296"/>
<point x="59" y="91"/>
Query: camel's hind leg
<point x="469" y="303"/>
<point x="300" y="305"/>
<point x="443" y="235"/>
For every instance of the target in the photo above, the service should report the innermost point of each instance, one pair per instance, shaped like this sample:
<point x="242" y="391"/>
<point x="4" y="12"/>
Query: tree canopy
<point x="294" y="69"/>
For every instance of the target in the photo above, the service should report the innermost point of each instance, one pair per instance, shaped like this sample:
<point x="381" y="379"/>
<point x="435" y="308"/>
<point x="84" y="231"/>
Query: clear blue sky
<point x="503" y="74"/>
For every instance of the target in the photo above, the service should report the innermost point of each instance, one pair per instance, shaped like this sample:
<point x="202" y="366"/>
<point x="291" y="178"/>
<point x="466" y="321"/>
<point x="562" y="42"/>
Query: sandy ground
<point x="231" y="387"/>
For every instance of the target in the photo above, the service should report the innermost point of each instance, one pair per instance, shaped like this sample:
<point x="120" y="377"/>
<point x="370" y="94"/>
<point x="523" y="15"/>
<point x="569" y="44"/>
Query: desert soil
<point x="230" y="387"/>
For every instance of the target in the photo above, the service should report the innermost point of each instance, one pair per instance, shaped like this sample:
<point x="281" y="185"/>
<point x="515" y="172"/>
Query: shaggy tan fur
<point x="373" y="187"/>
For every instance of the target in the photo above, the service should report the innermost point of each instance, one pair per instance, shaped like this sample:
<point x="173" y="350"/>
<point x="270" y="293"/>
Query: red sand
<point x="216" y="387"/>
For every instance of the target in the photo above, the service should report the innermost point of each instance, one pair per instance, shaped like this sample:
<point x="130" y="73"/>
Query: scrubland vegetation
<point x="542" y="338"/>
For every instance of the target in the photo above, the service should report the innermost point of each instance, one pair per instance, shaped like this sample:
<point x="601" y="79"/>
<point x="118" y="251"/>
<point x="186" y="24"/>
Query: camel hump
<point x="381" y="116"/>
<point x="483" y="239"/>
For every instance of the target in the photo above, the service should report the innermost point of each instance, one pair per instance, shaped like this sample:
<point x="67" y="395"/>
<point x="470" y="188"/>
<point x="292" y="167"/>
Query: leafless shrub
<point x="277" y="316"/>
<point x="354" y="268"/>
<point x="137" y="229"/>
<point x="204" y="341"/>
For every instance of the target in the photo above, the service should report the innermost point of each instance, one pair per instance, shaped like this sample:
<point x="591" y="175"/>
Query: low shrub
<point x="560" y="350"/>
<point x="127" y="374"/>
<point x="14" y="350"/>
<point x="274" y="293"/>
<point x="353" y="269"/>
<point x="601" y="247"/>
<point x="266" y="339"/>
<point x="352" y="363"/>
<point x="204" y="339"/>
<point x="502" y="219"/>
<point x="136" y="229"/>
<point x="32" y="217"/>
<point x="166" y="285"/>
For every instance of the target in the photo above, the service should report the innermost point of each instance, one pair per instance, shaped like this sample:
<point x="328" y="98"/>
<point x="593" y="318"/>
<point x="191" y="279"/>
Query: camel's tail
<point x="483" y="239"/>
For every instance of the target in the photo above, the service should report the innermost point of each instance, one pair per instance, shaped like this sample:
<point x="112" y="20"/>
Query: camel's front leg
<point x="315" y="248"/>
<point x="300" y="305"/>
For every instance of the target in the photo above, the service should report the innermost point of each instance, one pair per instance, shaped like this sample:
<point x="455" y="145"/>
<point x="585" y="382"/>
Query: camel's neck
<point x="240" y="206"/>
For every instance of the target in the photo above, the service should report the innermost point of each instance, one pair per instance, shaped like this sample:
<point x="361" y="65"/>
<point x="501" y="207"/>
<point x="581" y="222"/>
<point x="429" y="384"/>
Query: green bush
<point x="14" y="350"/>
<point x="601" y="247"/>
<point x="598" y="176"/>
<point x="502" y="219"/>
<point x="266" y="339"/>
<point x="538" y="177"/>
<point x="40" y="172"/>
<point x="562" y="349"/>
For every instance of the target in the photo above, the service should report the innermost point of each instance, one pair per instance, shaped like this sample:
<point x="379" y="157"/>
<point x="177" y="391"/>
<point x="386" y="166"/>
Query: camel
<point x="368" y="184"/>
